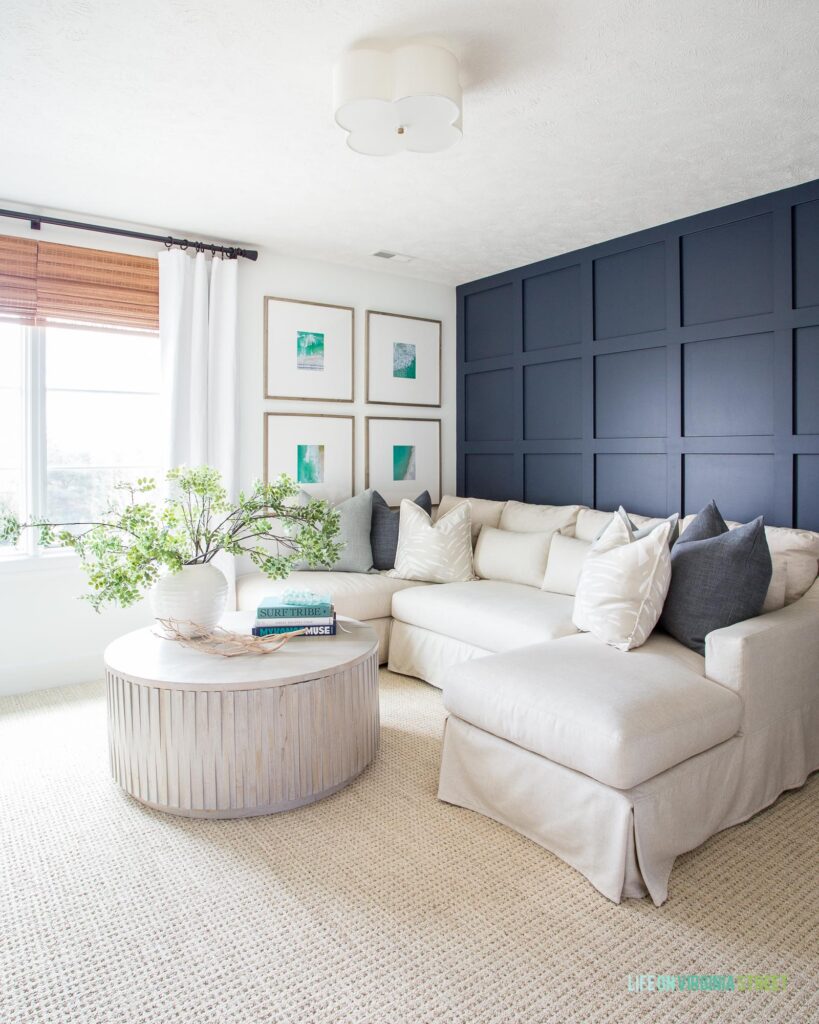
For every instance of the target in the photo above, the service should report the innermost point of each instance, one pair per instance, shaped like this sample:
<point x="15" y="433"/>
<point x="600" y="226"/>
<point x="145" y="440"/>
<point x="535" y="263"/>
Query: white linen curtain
<point x="198" y="316"/>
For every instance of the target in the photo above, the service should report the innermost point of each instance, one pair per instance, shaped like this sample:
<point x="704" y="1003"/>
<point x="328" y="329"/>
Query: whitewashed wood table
<point x="212" y="737"/>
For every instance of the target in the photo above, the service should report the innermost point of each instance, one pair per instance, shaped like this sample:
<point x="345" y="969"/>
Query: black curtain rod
<point x="37" y="219"/>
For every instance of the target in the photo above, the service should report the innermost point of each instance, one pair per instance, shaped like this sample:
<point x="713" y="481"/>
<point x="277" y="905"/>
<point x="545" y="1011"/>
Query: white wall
<point x="47" y="636"/>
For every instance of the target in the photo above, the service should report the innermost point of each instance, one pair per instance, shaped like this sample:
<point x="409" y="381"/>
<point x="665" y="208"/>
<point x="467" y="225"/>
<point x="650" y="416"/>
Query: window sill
<point x="48" y="561"/>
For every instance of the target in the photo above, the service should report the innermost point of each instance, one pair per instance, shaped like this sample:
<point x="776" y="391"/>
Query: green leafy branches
<point x="136" y="540"/>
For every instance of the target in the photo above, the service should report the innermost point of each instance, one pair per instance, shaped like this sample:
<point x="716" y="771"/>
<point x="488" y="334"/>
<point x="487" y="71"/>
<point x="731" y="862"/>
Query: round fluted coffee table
<point x="212" y="737"/>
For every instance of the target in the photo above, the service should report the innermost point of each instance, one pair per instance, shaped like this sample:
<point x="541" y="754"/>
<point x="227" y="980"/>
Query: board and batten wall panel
<point x="657" y="371"/>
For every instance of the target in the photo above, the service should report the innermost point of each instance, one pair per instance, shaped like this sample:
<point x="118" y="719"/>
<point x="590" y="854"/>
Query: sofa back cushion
<point x="513" y="557"/>
<point x="591" y="522"/>
<point x="482" y="511"/>
<point x="794" y="558"/>
<point x="566" y="558"/>
<point x="521" y="517"/>
<point x="439" y="552"/>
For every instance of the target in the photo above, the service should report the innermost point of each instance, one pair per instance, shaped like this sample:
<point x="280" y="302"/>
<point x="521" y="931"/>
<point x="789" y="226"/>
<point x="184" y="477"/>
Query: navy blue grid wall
<point x="657" y="370"/>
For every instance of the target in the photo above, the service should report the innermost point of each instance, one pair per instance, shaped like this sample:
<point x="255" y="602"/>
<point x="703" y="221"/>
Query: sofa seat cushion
<point x="618" y="717"/>
<point x="359" y="595"/>
<point x="490" y="614"/>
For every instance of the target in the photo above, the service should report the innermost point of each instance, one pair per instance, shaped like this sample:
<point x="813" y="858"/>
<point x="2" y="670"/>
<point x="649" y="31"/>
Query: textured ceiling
<point x="583" y="120"/>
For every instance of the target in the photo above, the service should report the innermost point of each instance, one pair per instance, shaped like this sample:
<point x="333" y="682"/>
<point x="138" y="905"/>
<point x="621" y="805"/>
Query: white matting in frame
<point x="308" y="350"/>
<point x="403" y="359"/>
<point x="316" y="450"/>
<point x="403" y="458"/>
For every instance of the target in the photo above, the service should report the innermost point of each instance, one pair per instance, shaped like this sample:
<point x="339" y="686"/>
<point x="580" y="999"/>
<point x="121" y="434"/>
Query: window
<point x="79" y="402"/>
<point x="79" y="411"/>
<point x="102" y="416"/>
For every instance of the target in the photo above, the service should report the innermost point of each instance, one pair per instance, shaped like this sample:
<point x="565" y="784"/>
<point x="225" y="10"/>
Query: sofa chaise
<point x="615" y="761"/>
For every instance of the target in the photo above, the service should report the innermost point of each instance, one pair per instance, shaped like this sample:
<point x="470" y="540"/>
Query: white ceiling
<point x="583" y="120"/>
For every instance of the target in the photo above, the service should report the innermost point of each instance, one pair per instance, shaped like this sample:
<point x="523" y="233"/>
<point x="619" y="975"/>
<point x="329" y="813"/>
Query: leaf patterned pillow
<point x="439" y="552"/>
<point x="624" y="583"/>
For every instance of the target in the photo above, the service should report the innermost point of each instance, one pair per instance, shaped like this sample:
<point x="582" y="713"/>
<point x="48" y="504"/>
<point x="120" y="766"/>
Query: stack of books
<point x="275" y="616"/>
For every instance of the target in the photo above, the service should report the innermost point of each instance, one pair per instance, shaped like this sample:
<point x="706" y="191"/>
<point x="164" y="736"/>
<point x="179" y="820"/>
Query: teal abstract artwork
<point x="309" y="350"/>
<point x="403" y="462"/>
<point x="403" y="360"/>
<point x="310" y="464"/>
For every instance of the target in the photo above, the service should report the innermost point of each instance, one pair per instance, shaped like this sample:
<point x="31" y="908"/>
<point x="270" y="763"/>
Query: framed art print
<point x="403" y="458"/>
<point x="317" y="450"/>
<point x="308" y="350"/>
<point x="403" y="359"/>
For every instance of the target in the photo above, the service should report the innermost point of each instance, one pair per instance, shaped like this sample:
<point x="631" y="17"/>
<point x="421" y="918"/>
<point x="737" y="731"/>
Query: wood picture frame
<point x="300" y="336"/>
<point x="311" y="435"/>
<point x="381" y="466"/>
<point x="403" y="359"/>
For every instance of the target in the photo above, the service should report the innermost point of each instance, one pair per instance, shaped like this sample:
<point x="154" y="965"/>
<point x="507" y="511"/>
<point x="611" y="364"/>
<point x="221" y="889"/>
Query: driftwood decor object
<point x="240" y="736"/>
<point x="220" y="641"/>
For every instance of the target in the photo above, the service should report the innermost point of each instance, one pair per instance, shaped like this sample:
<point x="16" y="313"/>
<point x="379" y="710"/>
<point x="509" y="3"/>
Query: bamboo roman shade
<point x="43" y="281"/>
<point x="18" y="278"/>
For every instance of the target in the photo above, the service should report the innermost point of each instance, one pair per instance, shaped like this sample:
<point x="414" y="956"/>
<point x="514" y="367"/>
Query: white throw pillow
<point x="566" y="558"/>
<point x="624" y="583"/>
<point x="513" y="557"/>
<point x="439" y="552"/>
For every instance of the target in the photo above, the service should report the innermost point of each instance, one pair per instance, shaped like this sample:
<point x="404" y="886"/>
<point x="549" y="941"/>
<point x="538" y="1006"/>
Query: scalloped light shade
<point x="404" y="99"/>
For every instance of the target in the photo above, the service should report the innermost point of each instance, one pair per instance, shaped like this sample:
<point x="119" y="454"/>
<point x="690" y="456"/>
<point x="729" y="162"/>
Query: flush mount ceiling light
<point x="403" y="99"/>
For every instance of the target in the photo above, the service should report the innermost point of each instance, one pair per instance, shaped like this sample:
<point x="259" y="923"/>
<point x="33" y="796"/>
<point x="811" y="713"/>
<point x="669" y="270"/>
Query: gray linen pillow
<point x="718" y="577"/>
<point x="384" y="530"/>
<point x="355" y="518"/>
<point x="708" y="523"/>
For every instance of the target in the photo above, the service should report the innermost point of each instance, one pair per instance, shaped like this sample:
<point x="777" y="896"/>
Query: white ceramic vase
<point x="196" y="594"/>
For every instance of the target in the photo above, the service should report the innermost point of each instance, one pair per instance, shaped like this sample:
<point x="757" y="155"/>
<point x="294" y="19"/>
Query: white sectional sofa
<point x="615" y="761"/>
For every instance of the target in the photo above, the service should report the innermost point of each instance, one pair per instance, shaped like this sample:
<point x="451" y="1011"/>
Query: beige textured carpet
<point x="378" y="904"/>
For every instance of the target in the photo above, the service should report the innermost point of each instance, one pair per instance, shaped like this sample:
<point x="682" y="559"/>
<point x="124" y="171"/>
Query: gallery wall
<point x="77" y="636"/>
<point x="281" y="276"/>
<point x="656" y="371"/>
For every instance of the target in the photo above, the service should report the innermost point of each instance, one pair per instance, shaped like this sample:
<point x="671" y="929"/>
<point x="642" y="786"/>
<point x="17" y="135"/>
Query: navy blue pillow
<point x="718" y="577"/>
<point x="384" y="529"/>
